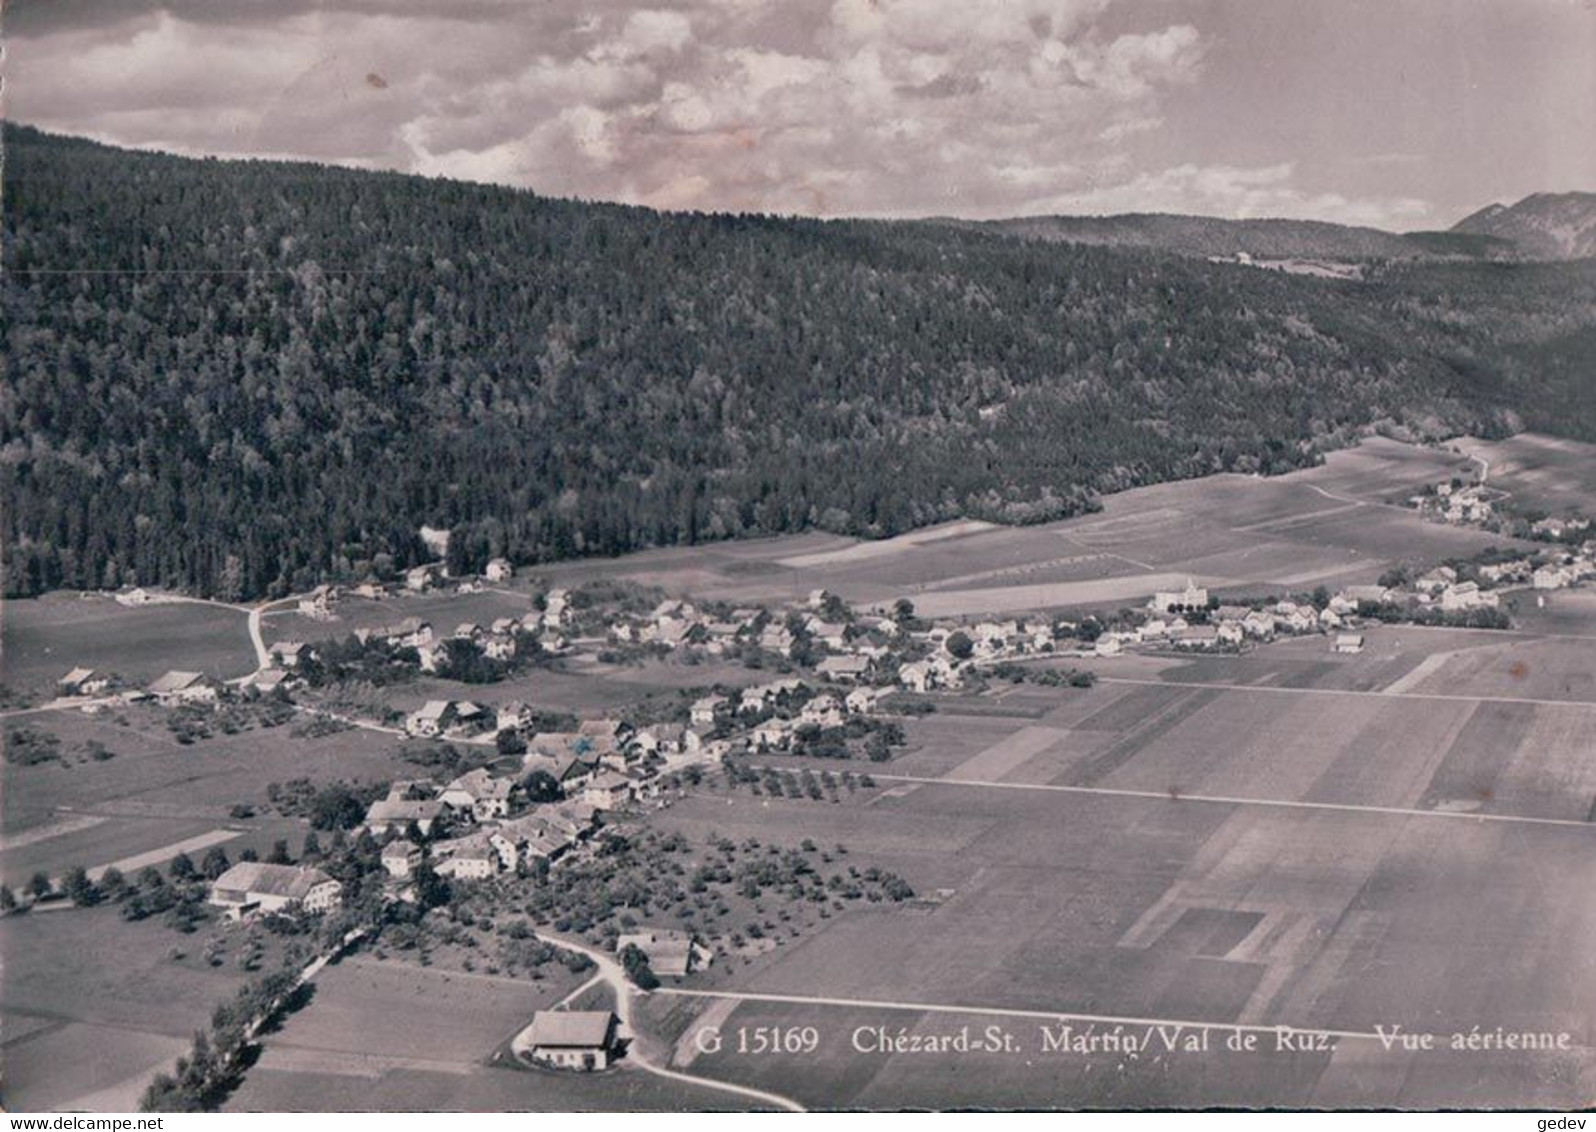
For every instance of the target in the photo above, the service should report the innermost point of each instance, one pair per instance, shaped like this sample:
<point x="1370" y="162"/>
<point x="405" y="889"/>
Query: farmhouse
<point x="1348" y="643"/>
<point x="1551" y="578"/>
<point x="844" y="669"/>
<point x="83" y="682"/>
<point x="1192" y="597"/>
<point x="466" y="858"/>
<point x="397" y="813"/>
<point x="251" y="887"/>
<point x="266" y="679"/>
<point x="401" y="858"/>
<point x="320" y="604"/>
<point x="185" y="688"/>
<point x="670" y="953"/>
<point x="1468" y="595"/>
<point x="862" y="701"/>
<point x="480" y="794"/>
<point x="430" y="719"/>
<point x="498" y="570"/>
<point x="573" y="1039"/>
<point x="709" y="708"/>
<point x="290" y="654"/>
<point x="513" y="716"/>
<point x="608" y="790"/>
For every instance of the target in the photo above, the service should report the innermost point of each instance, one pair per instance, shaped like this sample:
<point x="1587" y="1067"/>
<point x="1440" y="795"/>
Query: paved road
<point x="626" y="993"/>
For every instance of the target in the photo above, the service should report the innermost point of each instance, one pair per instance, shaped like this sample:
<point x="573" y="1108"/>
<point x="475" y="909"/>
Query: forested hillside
<point x="240" y="378"/>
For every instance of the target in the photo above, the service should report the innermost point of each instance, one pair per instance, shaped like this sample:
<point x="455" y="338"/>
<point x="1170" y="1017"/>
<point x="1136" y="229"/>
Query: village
<point x="604" y="794"/>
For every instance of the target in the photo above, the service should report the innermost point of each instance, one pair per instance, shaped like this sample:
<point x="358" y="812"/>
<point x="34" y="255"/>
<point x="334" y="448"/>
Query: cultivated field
<point x="1543" y="472"/>
<point x="388" y="1036"/>
<point x="45" y="637"/>
<point x="92" y="1006"/>
<point x="1270" y="840"/>
<point x="156" y="793"/>
<point x="1333" y="525"/>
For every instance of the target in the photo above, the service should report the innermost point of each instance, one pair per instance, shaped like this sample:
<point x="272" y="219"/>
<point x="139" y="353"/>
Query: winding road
<point x="611" y="973"/>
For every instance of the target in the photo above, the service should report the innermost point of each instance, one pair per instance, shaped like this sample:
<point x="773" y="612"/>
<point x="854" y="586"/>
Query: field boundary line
<point x="1225" y="800"/>
<point x="1377" y="693"/>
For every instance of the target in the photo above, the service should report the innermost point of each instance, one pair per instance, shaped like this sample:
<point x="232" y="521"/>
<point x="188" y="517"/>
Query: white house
<point x="708" y="709"/>
<point x="401" y="859"/>
<point x="431" y="719"/>
<point x="252" y="887"/>
<point x="1192" y="597"/>
<point x="582" y="1040"/>
<point x="498" y="570"/>
<point x="1348" y="643"/>
<point x="466" y="858"/>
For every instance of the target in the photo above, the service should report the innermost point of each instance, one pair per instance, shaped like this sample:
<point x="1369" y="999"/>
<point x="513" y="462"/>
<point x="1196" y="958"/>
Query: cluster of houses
<point x="1461" y="505"/>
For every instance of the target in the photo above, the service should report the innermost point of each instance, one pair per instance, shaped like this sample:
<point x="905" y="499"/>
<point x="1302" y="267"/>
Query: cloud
<point x="874" y="107"/>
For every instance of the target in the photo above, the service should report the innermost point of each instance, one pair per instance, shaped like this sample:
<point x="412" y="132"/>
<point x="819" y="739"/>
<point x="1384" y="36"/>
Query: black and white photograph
<point x="837" y="556"/>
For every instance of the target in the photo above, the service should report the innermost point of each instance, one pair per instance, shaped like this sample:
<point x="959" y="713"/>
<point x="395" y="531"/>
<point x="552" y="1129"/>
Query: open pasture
<point x="1542" y="472"/>
<point x="46" y="637"/>
<point x="156" y="792"/>
<point x="1148" y="908"/>
<point x="389" y="1036"/>
<point x="93" y="1006"/>
<point x="1334" y="525"/>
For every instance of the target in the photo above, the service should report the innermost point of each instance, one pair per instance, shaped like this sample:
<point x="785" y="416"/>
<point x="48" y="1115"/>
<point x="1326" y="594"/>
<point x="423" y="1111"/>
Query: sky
<point x="1401" y="114"/>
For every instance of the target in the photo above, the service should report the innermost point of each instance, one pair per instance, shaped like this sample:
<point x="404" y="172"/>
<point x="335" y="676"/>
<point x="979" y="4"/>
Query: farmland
<point x="1340" y="523"/>
<point x="1238" y="841"/>
<point x="46" y="636"/>
<point x="1544" y="472"/>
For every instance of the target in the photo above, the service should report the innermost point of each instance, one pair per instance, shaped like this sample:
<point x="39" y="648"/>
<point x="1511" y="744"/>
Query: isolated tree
<point x="39" y="885"/>
<point x="312" y="849"/>
<point x="182" y="867"/>
<point x="8" y="899"/>
<point x="215" y="863"/>
<point x="336" y="807"/>
<point x="635" y="962"/>
<point x="279" y="854"/>
<point x="541" y="786"/>
<point x="959" y="645"/>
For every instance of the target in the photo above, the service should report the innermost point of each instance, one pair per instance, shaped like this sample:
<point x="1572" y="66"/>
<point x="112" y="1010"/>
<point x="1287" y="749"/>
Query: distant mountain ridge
<point x="1541" y="226"/>
<point x="1213" y="236"/>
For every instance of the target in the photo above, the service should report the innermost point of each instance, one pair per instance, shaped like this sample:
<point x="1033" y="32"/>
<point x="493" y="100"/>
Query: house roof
<point x="260" y="878"/>
<point x="77" y="676"/>
<point x="402" y="809"/>
<point x="610" y="780"/>
<point x="581" y="1028"/>
<point x="434" y="709"/>
<point x="175" y="682"/>
<point x="395" y="850"/>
